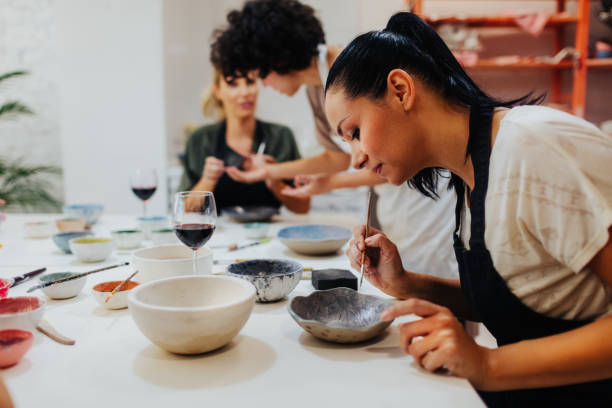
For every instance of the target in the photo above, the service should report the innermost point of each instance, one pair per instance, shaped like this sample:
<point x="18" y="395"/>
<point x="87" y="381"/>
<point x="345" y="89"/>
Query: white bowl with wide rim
<point x="165" y="261"/>
<point x="21" y="312"/>
<point x="192" y="314"/>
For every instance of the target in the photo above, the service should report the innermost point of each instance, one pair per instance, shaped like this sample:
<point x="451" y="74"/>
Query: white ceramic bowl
<point x="101" y="291"/>
<point x="166" y="261"/>
<point x="149" y="224"/>
<point x="165" y="236"/>
<point x="192" y="314"/>
<point x="127" y="239"/>
<point x="23" y="312"/>
<point x="39" y="229"/>
<point x="91" y="249"/>
<point x="65" y="290"/>
<point x="314" y="239"/>
<point x="256" y="230"/>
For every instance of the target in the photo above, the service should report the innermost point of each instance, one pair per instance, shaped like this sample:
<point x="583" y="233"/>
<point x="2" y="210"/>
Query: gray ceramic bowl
<point x="273" y="278"/>
<point x="340" y="315"/>
<point x="61" y="239"/>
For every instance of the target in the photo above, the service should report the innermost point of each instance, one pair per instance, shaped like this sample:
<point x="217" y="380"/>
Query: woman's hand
<point x="213" y="169"/>
<point x="255" y="169"/>
<point x="308" y="186"/>
<point x="383" y="265"/>
<point x="443" y="342"/>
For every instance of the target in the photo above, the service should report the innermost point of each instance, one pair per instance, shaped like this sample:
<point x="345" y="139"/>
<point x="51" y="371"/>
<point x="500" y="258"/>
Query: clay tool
<point x="80" y="275"/>
<point x="367" y="227"/>
<point x="45" y="328"/>
<point x="118" y="287"/>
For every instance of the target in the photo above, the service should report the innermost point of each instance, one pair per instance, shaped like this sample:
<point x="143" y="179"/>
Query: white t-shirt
<point x="548" y="209"/>
<point x="421" y="228"/>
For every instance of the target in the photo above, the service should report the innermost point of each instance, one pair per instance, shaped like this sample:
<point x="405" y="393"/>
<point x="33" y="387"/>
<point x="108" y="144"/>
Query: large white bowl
<point x="192" y="314"/>
<point x="165" y="261"/>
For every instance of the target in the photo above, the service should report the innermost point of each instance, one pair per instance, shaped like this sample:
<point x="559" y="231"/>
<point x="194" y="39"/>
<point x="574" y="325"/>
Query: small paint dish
<point x="256" y="230"/>
<point x="62" y="239"/>
<point x="128" y="239"/>
<point x="119" y="300"/>
<point x="91" y="249"/>
<point x="22" y="312"/>
<point x="39" y="229"/>
<point x="164" y="236"/>
<point x="5" y="284"/>
<point x="71" y="224"/>
<point x="150" y="224"/>
<point x="64" y="290"/>
<point x="14" y="344"/>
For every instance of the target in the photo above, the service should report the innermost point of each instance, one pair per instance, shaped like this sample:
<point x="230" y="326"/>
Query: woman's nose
<point x="357" y="156"/>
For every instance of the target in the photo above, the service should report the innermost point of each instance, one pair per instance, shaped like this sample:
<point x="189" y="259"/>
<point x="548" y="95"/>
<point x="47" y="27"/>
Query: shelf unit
<point x="557" y="22"/>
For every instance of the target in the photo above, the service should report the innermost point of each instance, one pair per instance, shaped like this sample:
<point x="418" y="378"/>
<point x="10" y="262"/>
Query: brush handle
<point x="80" y="275"/>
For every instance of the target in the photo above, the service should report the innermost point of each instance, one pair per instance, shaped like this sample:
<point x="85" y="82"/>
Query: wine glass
<point x="144" y="184"/>
<point x="194" y="219"/>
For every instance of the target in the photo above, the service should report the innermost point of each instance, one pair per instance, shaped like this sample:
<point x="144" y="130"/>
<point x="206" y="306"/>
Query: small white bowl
<point x="22" y="312"/>
<point x="192" y="314"/>
<point x="256" y="230"/>
<point x="65" y="290"/>
<point x="148" y="224"/>
<point x="91" y="249"/>
<point x="127" y="239"/>
<point x="166" y="261"/>
<point x="39" y="229"/>
<point x="119" y="300"/>
<point x="164" y="236"/>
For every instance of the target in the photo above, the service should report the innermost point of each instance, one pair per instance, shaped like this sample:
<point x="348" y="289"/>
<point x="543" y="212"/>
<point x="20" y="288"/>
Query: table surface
<point x="271" y="363"/>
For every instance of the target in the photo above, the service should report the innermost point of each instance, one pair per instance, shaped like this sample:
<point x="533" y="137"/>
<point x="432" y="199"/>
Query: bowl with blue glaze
<point x="90" y="212"/>
<point x="273" y="278"/>
<point x="62" y="239"/>
<point x="64" y="290"/>
<point x="314" y="239"/>
<point x="340" y="315"/>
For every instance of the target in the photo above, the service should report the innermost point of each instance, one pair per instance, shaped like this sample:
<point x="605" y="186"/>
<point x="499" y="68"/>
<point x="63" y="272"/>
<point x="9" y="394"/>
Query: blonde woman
<point x="238" y="139"/>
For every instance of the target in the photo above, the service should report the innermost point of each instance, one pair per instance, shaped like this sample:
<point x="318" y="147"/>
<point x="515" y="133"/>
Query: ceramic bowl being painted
<point x="149" y="224"/>
<point x="340" y="315"/>
<point x="91" y="249"/>
<point x="62" y="239"/>
<point x="71" y="224"/>
<point x="127" y="239"/>
<point x="22" y="312"/>
<point x="165" y="261"/>
<point x="39" y="229"/>
<point x="13" y="346"/>
<point x="240" y="213"/>
<point x="102" y="291"/>
<point x="314" y="239"/>
<point x="273" y="278"/>
<point x="89" y="212"/>
<point x="192" y="314"/>
<point x="65" y="290"/>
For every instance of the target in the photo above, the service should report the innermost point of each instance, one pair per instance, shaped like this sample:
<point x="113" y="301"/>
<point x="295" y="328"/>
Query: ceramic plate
<point x="314" y="239"/>
<point x="340" y="315"/>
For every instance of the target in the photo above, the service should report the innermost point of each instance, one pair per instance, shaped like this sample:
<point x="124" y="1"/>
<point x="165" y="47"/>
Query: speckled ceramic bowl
<point x="340" y="315"/>
<point x="273" y="278"/>
<point x="314" y="239"/>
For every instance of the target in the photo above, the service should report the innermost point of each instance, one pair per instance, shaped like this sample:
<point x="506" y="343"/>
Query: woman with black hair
<point x="533" y="217"/>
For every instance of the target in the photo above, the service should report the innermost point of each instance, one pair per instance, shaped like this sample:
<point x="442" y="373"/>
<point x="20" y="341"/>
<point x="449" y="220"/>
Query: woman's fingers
<point x="415" y="306"/>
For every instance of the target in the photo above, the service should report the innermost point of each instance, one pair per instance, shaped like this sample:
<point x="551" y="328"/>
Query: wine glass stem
<point x="144" y="208"/>
<point x="195" y="265"/>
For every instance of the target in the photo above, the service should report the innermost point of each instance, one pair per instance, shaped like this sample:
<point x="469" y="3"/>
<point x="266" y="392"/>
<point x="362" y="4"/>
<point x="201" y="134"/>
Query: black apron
<point x="504" y="315"/>
<point x="228" y="192"/>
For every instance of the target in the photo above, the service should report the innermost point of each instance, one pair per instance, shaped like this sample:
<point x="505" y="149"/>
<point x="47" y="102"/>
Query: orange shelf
<point x="520" y="64"/>
<point x="497" y="21"/>
<point x="599" y="62"/>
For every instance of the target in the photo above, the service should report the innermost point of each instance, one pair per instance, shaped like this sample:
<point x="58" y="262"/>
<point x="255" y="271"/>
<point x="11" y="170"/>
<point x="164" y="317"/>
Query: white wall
<point x="111" y="99"/>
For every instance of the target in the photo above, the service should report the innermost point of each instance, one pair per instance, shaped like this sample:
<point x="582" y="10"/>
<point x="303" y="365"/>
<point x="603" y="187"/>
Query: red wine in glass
<point x="194" y="235"/>
<point x="144" y="183"/>
<point x="144" y="193"/>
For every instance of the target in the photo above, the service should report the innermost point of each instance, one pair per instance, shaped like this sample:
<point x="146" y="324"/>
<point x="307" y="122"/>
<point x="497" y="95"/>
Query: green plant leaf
<point x="12" y="74"/>
<point x="14" y="108"/>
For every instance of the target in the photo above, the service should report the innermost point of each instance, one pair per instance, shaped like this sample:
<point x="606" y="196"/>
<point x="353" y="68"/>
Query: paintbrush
<point x="118" y="287"/>
<point x="367" y="227"/>
<point x="234" y="247"/>
<point x="80" y="275"/>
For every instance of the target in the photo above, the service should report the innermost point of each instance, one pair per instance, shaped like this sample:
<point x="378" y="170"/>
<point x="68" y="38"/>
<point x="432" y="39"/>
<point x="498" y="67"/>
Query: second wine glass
<point x="144" y="184"/>
<point x="194" y="219"/>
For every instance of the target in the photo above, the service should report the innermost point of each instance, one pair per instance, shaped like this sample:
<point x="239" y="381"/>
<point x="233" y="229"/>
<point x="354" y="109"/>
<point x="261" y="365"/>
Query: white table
<point x="271" y="363"/>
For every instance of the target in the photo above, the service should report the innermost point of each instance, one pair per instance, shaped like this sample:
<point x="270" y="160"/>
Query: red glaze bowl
<point x="13" y="346"/>
<point x="5" y="284"/>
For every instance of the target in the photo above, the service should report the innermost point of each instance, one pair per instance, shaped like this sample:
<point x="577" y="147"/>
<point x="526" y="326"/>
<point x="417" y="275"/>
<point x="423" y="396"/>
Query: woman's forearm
<point x="354" y="179"/>
<point x="297" y="205"/>
<point x="580" y="355"/>
<point x="204" y="185"/>
<point x="326" y="162"/>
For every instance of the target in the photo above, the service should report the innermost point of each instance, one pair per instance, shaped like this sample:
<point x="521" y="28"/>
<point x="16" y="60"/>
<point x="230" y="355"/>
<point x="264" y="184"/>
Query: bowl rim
<point x="126" y="231"/>
<point x="40" y="278"/>
<point x="41" y="304"/>
<point x="290" y="261"/>
<point x="136" y="255"/>
<point x="108" y="240"/>
<point x="349" y="233"/>
<point x="127" y="291"/>
<point x="27" y="334"/>
<point x="84" y="205"/>
<point x="301" y="320"/>
<point x="81" y="233"/>
<point x="251" y="292"/>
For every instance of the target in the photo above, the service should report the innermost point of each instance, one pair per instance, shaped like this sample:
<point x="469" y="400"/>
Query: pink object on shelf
<point x="13" y="346"/>
<point x="533" y="23"/>
<point x="5" y="284"/>
<point x="466" y="58"/>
